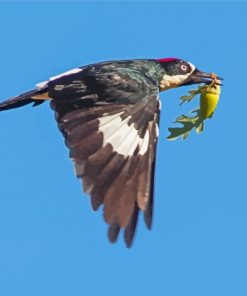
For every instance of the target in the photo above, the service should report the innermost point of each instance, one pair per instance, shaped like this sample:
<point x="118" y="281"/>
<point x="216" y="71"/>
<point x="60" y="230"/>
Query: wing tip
<point x="113" y="232"/>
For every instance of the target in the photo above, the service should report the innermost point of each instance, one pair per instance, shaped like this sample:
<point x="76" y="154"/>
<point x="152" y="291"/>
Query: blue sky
<point x="51" y="242"/>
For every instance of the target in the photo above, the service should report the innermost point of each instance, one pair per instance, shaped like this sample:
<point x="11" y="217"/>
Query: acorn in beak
<point x="202" y="77"/>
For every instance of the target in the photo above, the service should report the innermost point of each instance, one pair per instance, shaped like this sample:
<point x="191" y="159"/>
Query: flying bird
<point x="108" y="113"/>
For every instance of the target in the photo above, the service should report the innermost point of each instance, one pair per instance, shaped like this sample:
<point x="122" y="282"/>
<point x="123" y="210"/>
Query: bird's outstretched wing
<point x="113" y="143"/>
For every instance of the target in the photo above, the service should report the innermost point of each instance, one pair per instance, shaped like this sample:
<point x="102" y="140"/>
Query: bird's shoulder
<point x="121" y="81"/>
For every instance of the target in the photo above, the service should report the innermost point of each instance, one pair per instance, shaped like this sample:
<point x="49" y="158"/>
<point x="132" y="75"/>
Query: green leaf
<point x="188" y="123"/>
<point x="192" y="94"/>
<point x="200" y="127"/>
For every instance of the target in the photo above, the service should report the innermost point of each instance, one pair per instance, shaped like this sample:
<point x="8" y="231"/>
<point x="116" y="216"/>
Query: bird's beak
<point x="198" y="76"/>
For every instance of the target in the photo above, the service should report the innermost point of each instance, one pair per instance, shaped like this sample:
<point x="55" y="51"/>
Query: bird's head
<point x="179" y="73"/>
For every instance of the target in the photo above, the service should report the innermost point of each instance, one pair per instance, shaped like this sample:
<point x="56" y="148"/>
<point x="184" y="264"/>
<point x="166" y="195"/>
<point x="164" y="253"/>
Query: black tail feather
<point x="22" y="100"/>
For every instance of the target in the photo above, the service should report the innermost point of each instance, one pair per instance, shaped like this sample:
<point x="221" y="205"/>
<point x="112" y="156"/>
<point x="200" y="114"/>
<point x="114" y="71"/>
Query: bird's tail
<point x="36" y="96"/>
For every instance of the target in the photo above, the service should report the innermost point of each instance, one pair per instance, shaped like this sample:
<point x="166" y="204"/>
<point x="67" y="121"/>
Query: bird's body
<point x="118" y="81"/>
<point x="109" y="114"/>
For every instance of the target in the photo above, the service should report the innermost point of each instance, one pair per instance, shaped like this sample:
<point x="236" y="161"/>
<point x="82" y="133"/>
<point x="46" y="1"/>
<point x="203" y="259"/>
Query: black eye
<point x="184" y="68"/>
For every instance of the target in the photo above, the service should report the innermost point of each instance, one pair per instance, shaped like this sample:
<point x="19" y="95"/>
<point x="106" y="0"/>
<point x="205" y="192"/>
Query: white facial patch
<point x="175" y="80"/>
<point x="192" y="68"/>
<point x="124" y="138"/>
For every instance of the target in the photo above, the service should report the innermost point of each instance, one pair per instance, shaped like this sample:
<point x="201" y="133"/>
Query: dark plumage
<point x="108" y="114"/>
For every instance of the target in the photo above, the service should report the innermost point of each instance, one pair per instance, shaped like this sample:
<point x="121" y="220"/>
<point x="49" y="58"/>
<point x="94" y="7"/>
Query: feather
<point x="113" y="147"/>
<point x="113" y="232"/>
<point x="130" y="230"/>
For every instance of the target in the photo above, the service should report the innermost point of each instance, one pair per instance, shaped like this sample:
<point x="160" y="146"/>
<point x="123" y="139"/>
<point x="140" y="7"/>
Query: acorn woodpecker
<point x="108" y="113"/>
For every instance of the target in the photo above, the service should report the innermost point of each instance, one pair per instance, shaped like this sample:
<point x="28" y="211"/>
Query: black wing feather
<point x="120" y="179"/>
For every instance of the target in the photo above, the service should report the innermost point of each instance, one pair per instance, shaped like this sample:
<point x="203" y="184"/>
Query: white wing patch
<point x="144" y="144"/>
<point x="72" y="71"/>
<point x="123" y="137"/>
<point x="43" y="84"/>
<point x="156" y="130"/>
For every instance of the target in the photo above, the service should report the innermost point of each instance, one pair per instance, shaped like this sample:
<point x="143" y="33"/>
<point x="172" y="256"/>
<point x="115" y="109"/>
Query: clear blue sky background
<point x="51" y="242"/>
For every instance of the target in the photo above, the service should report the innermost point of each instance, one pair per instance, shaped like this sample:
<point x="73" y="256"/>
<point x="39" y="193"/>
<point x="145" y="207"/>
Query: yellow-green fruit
<point x="208" y="100"/>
